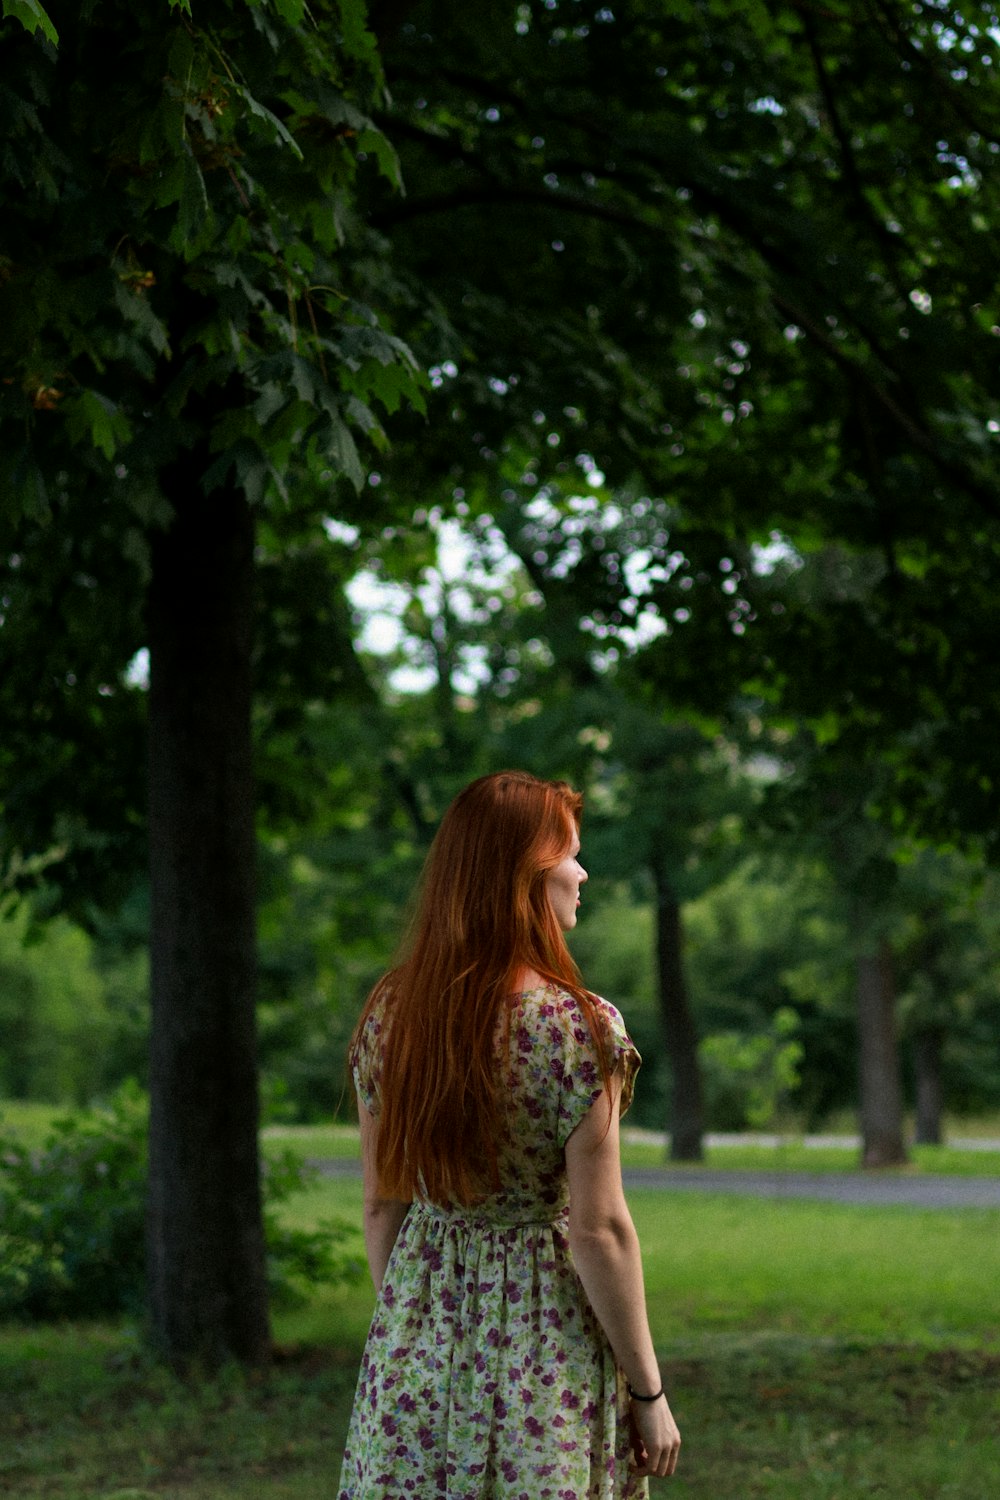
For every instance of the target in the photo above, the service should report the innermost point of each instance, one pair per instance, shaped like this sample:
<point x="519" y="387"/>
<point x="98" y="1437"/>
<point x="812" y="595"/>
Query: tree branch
<point x="501" y="195"/>
<point x="915" y="435"/>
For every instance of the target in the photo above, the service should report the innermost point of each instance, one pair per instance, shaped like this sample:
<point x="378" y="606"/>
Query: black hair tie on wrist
<point x="634" y="1395"/>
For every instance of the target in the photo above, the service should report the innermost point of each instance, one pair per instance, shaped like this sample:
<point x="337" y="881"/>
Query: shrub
<point x="748" y="1078"/>
<point x="72" y="1221"/>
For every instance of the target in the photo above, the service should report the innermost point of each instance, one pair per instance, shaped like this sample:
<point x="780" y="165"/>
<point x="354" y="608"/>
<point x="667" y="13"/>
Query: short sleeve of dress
<point x="578" y="1069"/>
<point x="367" y="1061"/>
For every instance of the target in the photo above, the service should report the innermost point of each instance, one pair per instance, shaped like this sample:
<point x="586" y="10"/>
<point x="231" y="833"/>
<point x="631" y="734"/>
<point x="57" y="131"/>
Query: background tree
<point x="665" y="799"/>
<point x="946" y="991"/>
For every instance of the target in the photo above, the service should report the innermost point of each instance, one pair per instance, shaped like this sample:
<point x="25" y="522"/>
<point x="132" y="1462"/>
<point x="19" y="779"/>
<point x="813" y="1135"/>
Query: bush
<point x="748" y="1078"/>
<point x="72" y="1221"/>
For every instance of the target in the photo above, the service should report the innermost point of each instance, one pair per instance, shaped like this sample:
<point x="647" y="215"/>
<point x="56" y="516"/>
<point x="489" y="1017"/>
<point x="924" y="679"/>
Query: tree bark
<point x="207" y="1274"/>
<point x="879" y="1067"/>
<point x="927" y="1045"/>
<point x="687" y="1125"/>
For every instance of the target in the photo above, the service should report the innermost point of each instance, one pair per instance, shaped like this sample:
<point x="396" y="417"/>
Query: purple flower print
<point x="482" y="1358"/>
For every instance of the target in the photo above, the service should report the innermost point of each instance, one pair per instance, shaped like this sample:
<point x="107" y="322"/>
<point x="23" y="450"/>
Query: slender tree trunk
<point x="927" y="1045"/>
<point x="880" y="1076"/>
<point x="207" y="1279"/>
<point x="687" y="1125"/>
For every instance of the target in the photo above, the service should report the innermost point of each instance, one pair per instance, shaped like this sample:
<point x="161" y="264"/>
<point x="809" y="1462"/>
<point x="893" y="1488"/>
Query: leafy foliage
<point x="750" y="1079"/>
<point x="736" y="261"/>
<point x="72" y="1221"/>
<point x="185" y="279"/>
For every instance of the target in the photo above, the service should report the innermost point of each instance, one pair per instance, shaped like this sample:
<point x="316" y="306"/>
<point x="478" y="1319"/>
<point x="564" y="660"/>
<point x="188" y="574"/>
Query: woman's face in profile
<point x="562" y="885"/>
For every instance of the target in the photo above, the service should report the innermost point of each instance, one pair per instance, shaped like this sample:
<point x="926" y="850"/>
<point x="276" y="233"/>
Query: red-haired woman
<point x="509" y="1355"/>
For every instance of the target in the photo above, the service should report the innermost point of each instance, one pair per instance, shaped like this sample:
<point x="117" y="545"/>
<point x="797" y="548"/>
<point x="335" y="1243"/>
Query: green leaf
<point x="357" y="39"/>
<point x="32" y="17"/>
<point x="291" y="11"/>
<point x="194" y="209"/>
<point x="260" y="112"/>
<point x="91" y="417"/>
<point x="343" y="453"/>
<point x="379" y="145"/>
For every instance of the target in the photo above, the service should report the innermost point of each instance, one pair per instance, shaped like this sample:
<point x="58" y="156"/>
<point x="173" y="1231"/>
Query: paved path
<point x="879" y="1188"/>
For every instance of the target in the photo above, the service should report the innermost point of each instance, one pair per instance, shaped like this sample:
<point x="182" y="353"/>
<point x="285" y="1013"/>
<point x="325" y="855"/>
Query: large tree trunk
<point x="207" y="1276"/>
<point x="687" y="1124"/>
<point x="927" y="1046"/>
<point x="879" y="1068"/>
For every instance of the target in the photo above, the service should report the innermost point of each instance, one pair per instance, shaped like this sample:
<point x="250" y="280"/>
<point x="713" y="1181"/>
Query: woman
<point x="509" y="1357"/>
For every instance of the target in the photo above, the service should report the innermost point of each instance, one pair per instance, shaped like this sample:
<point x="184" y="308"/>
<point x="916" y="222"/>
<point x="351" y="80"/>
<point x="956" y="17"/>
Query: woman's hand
<point x="656" y="1441"/>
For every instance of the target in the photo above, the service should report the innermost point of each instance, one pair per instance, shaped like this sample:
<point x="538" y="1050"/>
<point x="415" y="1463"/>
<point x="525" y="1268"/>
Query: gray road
<point x="880" y="1188"/>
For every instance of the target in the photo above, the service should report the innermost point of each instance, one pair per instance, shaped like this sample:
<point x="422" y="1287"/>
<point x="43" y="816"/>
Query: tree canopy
<point x="185" y="283"/>
<point x="738" y="263"/>
<point x="737" y="260"/>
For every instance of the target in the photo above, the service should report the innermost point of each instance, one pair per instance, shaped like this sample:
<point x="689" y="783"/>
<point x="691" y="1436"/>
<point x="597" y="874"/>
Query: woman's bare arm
<point x="605" y="1249"/>
<point x="383" y="1217"/>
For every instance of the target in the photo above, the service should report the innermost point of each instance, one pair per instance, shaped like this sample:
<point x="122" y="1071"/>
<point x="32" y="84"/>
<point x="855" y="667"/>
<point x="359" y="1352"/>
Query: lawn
<point x="32" y="1122"/>
<point x="811" y="1350"/>
<point x="789" y="1154"/>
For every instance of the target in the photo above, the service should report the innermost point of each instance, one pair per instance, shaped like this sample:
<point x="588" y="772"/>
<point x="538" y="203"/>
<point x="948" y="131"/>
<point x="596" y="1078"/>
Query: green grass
<point x="717" y="1264"/>
<point x="29" y="1120"/>
<point x="313" y="1140"/>
<point x="791" y="1155"/>
<point x="779" y="1419"/>
<point x="765" y="1416"/>
<point x="795" y="1156"/>
<point x="32" y="1121"/>
<point x="811" y="1350"/>
<point x="819" y="1270"/>
<point x="89" y="1417"/>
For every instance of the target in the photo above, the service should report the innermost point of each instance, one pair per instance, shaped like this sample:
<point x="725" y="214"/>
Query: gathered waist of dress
<point x="493" y="1215"/>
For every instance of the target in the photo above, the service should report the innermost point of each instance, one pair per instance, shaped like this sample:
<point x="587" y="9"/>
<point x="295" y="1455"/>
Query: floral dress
<point x="486" y="1375"/>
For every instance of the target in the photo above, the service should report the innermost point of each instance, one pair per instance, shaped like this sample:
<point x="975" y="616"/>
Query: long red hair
<point x="483" y="917"/>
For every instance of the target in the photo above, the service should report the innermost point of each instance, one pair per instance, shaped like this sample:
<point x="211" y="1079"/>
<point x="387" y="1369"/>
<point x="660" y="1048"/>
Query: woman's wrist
<point x="638" y="1396"/>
